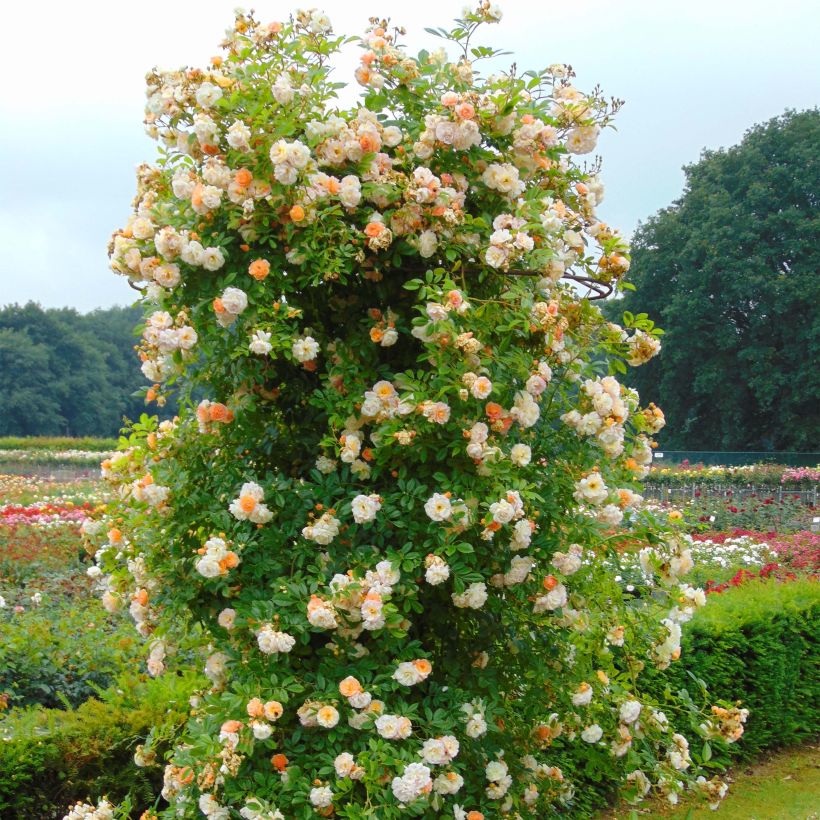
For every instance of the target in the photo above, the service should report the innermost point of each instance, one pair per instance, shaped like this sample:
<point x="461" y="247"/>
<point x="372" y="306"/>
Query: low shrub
<point x="50" y="758"/>
<point x="759" y="644"/>
<point x="61" y="651"/>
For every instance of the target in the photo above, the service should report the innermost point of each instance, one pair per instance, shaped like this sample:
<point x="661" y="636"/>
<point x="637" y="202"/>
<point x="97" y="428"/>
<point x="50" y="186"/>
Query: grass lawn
<point x="783" y="785"/>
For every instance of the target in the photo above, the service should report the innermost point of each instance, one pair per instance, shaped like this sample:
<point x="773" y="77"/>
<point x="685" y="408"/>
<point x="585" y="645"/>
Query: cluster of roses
<point x="394" y="462"/>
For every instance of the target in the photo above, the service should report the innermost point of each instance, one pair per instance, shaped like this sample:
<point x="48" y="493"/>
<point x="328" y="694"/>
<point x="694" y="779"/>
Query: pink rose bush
<point x="387" y="516"/>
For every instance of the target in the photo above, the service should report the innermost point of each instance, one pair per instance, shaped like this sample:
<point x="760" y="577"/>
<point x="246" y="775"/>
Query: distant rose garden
<point x="403" y="552"/>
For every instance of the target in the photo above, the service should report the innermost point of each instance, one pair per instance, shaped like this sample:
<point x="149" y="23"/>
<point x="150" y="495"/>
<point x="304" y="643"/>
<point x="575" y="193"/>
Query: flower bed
<point x="771" y="475"/>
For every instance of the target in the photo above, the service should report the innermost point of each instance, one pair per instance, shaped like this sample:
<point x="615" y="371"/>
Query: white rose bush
<point x="386" y="524"/>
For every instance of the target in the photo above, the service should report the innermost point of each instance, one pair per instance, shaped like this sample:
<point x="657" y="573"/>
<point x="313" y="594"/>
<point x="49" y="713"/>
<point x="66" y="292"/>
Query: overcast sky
<point x="694" y="74"/>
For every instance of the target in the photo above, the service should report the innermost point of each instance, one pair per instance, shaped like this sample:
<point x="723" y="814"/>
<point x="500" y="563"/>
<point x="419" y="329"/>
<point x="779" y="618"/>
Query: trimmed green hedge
<point x="102" y="445"/>
<point x="760" y="644"/>
<point x="50" y="758"/>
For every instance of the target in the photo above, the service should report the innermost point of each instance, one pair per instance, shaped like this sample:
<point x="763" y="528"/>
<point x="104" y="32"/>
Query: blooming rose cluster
<point x="408" y="607"/>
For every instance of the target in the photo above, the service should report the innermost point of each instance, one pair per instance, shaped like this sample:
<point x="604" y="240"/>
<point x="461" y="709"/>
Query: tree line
<point x="67" y="373"/>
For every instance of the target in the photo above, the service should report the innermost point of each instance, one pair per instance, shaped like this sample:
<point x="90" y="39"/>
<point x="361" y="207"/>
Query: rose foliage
<point x="385" y="524"/>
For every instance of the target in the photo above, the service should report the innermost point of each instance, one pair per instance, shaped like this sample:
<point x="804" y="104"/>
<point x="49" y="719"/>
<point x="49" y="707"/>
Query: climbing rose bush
<point x="384" y="509"/>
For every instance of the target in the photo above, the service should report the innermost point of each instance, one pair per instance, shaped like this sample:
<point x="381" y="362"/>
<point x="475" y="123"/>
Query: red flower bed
<point x="743" y="576"/>
<point x="44" y="513"/>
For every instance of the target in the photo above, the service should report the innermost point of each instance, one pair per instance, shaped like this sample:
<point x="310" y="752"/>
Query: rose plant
<point x="385" y="522"/>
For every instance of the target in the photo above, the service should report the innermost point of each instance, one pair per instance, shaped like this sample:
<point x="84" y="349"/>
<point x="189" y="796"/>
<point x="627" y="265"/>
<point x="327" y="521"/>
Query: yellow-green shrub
<point x="51" y="757"/>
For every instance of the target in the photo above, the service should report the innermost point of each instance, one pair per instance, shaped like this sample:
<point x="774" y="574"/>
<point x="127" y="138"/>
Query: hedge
<point x="102" y="445"/>
<point x="759" y="644"/>
<point x="50" y="758"/>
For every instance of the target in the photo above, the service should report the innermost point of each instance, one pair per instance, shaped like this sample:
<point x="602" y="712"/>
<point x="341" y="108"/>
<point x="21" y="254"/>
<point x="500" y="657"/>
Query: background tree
<point x="27" y="405"/>
<point x="730" y="271"/>
<point x="68" y="373"/>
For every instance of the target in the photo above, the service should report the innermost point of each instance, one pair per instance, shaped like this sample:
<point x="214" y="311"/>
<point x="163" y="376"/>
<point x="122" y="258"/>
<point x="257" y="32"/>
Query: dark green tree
<point x="66" y="373"/>
<point x="731" y="271"/>
<point x="27" y="405"/>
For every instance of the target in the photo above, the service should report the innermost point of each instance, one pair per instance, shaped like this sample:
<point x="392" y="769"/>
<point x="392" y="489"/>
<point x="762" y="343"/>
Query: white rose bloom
<point x="536" y="384"/>
<point x="321" y="797"/>
<point x="298" y="154"/>
<point x="438" y="507"/>
<point x="207" y="94"/>
<point x="323" y="530"/>
<point x="344" y="764"/>
<point x="392" y="136"/>
<point x="522" y="535"/>
<point x="495" y="257"/>
<point x="570" y="562"/>
<point x="583" y="696"/>
<point x="630" y="711"/>
<point x="167" y="275"/>
<point x="191" y="253"/>
<point x="208" y="566"/>
<point x="234" y="300"/>
<point x="325" y="465"/>
<point x="525" y="410"/>
<point x="215" y="666"/>
<point x="476" y="726"/>
<point x="554" y="599"/>
<point x="387" y="726"/>
<point x="286" y="174"/>
<point x="520" y="568"/>
<point x="182" y="185"/>
<point x="271" y="642"/>
<point x="161" y="320"/>
<point x="474" y="597"/>
<point x="448" y="783"/>
<point x="212" y="259"/>
<point x="227" y="618"/>
<point x="142" y="228"/>
<point x="305" y="349"/>
<point x="279" y="152"/>
<point x="589" y="424"/>
<point x="260" y="343"/>
<point x="414" y="781"/>
<point x="438" y="571"/>
<point x="350" y="191"/>
<point x="502" y="512"/>
<point x="282" y="90"/>
<point x="495" y="770"/>
<point x="592" y="734"/>
<point x="211" y="198"/>
<point x="446" y="132"/>
<point x="239" y="136"/>
<point x="481" y="387"/>
<point x="592" y="489"/>
<point x="261" y="730"/>
<point x="520" y="455"/>
<point x="611" y="515"/>
<point x="439" y="751"/>
<point x="365" y="507"/>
